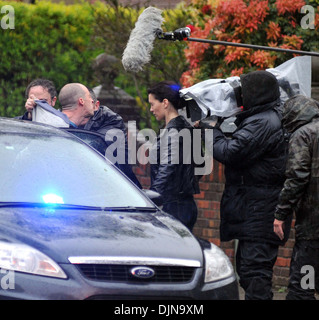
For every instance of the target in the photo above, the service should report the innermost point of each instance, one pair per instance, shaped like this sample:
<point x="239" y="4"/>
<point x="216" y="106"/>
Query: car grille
<point x="121" y="273"/>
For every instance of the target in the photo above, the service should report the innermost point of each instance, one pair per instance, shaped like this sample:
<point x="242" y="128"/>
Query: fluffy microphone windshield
<point x="140" y="44"/>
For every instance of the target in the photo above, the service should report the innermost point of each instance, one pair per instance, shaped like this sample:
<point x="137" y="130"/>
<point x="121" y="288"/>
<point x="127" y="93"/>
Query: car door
<point x="94" y="139"/>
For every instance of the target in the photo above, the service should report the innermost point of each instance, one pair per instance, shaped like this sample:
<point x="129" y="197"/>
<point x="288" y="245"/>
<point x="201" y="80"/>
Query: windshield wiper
<point x="131" y="209"/>
<point x="48" y="205"/>
<point x="75" y="206"/>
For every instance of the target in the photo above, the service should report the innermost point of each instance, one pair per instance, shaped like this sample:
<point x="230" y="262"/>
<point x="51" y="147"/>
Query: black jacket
<point x="172" y="172"/>
<point x="254" y="159"/>
<point x="109" y="124"/>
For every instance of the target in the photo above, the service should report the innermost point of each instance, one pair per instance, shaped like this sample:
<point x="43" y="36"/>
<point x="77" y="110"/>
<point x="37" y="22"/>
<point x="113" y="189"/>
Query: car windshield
<point x="53" y="169"/>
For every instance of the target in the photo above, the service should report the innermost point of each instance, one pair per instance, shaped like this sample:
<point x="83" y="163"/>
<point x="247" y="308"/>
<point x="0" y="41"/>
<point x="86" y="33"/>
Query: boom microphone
<point x="184" y="34"/>
<point x="178" y="34"/>
<point x="140" y="44"/>
<point x="148" y="26"/>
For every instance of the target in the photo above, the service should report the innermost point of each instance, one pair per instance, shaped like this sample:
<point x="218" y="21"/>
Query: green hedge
<point x="112" y="31"/>
<point x="59" y="42"/>
<point x="50" y="41"/>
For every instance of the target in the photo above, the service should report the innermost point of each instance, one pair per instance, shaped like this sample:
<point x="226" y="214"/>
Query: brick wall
<point x="207" y="225"/>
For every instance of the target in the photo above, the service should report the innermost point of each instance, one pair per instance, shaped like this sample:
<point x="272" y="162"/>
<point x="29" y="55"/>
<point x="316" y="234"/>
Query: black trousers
<point x="304" y="271"/>
<point x="183" y="209"/>
<point x="254" y="265"/>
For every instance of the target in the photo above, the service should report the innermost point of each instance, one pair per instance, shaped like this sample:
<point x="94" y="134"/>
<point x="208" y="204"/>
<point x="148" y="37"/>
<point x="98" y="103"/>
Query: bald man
<point x="83" y="110"/>
<point x="77" y="103"/>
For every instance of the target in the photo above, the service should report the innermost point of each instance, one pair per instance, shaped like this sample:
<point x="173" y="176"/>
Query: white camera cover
<point x="216" y="97"/>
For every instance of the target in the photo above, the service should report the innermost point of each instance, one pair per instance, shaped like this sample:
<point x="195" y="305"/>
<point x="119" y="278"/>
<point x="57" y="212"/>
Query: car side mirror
<point x="154" y="196"/>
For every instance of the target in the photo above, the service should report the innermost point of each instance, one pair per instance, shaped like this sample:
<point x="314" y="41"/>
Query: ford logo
<point x="142" y="272"/>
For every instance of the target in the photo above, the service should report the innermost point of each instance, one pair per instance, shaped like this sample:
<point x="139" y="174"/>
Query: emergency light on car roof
<point x="52" y="198"/>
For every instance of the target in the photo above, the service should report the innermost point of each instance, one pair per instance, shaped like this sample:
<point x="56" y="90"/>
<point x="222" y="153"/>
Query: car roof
<point x="9" y="125"/>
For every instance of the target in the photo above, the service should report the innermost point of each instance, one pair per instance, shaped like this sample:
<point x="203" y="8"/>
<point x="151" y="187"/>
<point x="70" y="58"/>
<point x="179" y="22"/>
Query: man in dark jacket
<point x="79" y="104"/>
<point x="254" y="160"/>
<point x="301" y="195"/>
<point x="108" y="123"/>
<point x="82" y="108"/>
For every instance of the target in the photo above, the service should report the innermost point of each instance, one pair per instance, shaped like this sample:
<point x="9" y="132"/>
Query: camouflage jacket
<point x="301" y="188"/>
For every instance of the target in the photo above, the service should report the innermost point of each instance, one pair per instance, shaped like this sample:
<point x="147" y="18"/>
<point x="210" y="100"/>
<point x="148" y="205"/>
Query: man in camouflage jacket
<point x="301" y="194"/>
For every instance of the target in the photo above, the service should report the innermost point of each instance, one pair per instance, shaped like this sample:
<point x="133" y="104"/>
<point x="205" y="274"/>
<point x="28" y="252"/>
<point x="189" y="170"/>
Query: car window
<point x="95" y="140"/>
<point x="36" y="168"/>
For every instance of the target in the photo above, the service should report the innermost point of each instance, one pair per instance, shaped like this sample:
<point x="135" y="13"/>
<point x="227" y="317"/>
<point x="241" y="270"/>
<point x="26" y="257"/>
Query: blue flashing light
<point x="52" y="198"/>
<point x="175" y="87"/>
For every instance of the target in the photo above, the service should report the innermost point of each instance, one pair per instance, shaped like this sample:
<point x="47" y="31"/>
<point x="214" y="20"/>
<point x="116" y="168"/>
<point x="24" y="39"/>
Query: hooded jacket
<point x="301" y="188"/>
<point x="254" y="160"/>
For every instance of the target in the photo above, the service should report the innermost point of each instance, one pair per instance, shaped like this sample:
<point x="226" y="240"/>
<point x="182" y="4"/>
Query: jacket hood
<point x="298" y="111"/>
<point x="259" y="88"/>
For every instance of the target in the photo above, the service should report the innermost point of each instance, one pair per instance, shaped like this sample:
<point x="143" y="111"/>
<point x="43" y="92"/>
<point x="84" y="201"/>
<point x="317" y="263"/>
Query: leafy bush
<point x="49" y="41"/>
<point x="59" y="42"/>
<point x="112" y="31"/>
<point x="273" y="23"/>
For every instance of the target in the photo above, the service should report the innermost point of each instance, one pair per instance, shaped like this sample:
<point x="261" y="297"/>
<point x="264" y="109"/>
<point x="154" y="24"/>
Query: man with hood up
<point x="254" y="159"/>
<point x="301" y="195"/>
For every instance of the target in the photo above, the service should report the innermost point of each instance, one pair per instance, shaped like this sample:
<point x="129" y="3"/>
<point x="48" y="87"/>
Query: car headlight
<point x="22" y="258"/>
<point x="217" y="264"/>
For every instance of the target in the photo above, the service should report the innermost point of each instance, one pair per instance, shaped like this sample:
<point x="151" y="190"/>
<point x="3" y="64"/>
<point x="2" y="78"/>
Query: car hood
<point x="61" y="233"/>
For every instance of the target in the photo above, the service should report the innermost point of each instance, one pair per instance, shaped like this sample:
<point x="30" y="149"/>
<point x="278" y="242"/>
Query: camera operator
<point x="254" y="159"/>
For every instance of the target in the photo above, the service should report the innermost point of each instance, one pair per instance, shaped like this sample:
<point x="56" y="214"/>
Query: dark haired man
<point x="39" y="89"/>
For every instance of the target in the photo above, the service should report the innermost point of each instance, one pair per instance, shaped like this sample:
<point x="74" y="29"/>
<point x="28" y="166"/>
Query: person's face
<point x="89" y="105"/>
<point x="40" y="93"/>
<point x="157" y="107"/>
